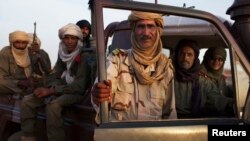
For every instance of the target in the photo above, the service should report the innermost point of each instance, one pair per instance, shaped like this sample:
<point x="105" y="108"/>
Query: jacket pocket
<point x="157" y="97"/>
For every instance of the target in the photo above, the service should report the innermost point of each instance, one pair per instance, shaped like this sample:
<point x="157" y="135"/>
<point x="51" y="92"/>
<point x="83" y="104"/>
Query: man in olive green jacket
<point x="196" y="95"/>
<point x="16" y="68"/>
<point x="66" y="85"/>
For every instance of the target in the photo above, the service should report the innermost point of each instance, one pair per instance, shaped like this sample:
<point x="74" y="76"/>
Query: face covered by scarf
<point x="68" y="58"/>
<point x="141" y="57"/>
<point x="21" y="56"/>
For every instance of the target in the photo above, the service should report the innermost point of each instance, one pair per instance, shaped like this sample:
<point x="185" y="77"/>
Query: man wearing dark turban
<point x="196" y="95"/>
<point x="138" y="84"/>
<point x="85" y="27"/>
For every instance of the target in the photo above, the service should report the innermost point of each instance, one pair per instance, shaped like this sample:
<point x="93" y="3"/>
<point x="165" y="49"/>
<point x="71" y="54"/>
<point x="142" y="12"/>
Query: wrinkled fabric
<point x="18" y="35"/>
<point x="70" y="29"/>
<point x="134" y="101"/>
<point x="22" y="59"/>
<point x="21" y="56"/>
<point x="65" y="95"/>
<point x="212" y="103"/>
<point x="139" y="15"/>
<point x="68" y="58"/>
<point x="10" y="72"/>
<point x="219" y="81"/>
<point x="54" y="121"/>
<point x="141" y="57"/>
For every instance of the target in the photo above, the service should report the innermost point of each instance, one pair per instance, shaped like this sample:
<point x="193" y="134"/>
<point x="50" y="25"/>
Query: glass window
<point x="242" y="83"/>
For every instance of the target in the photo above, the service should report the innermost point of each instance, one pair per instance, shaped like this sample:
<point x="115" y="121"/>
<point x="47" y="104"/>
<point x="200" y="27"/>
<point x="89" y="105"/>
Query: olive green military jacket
<point x="83" y="69"/>
<point x="212" y="103"/>
<point x="41" y="64"/>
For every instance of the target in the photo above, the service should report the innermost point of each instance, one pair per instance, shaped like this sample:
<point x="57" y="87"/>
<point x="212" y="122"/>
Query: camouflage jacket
<point x="134" y="101"/>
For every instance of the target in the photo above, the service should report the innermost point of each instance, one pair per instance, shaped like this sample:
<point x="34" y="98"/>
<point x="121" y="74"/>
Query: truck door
<point x="176" y="129"/>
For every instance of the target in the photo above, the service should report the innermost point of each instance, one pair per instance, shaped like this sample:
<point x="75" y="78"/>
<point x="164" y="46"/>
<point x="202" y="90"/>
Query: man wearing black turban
<point x="85" y="27"/>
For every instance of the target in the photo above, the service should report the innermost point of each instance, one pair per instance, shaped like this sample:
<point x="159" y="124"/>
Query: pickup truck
<point x="205" y="28"/>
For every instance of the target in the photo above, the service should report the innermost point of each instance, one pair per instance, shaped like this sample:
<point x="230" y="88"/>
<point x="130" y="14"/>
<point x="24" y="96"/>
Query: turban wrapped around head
<point x="138" y="15"/>
<point x="31" y="36"/>
<point x="18" y="35"/>
<point x="211" y="52"/>
<point x="70" y="29"/>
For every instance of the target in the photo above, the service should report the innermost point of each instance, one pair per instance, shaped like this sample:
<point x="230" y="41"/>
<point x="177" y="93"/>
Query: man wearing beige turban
<point x="138" y="84"/>
<point x="66" y="85"/>
<point x="15" y="68"/>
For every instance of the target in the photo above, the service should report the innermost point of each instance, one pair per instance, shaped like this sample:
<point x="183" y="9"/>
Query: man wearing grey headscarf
<point x="138" y="84"/>
<point x="67" y="85"/>
<point x="15" y="68"/>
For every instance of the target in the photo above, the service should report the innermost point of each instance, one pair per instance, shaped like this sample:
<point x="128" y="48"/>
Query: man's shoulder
<point x="203" y="74"/>
<point x="5" y="50"/>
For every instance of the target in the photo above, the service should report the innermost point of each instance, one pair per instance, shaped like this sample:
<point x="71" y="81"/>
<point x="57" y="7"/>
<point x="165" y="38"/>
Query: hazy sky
<point x="50" y="15"/>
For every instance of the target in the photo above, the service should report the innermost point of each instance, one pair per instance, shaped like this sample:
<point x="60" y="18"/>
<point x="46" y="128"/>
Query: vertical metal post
<point x="101" y="55"/>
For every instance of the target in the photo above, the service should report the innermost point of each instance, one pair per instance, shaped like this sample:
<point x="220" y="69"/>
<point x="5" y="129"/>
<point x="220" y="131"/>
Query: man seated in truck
<point x="67" y="85"/>
<point x="213" y="66"/>
<point x="196" y="95"/>
<point x="138" y="84"/>
<point x="15" y="69"/>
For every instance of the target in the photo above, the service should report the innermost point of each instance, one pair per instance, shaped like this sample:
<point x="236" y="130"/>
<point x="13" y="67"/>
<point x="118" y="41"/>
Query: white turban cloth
<point x="70" y="29"/>
<point x="68" y="58"/>
<point x="21" y="56"/>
